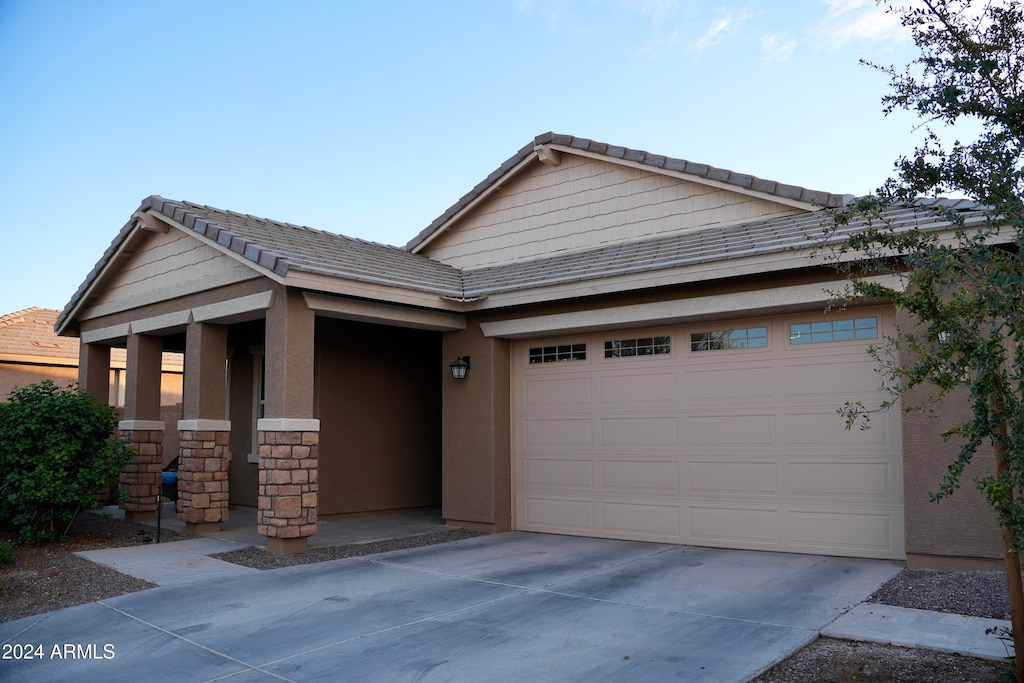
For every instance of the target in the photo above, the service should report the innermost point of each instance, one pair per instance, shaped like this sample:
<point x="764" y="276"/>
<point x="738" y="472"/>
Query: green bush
<point x="6" y="554"/>
<point x="56" y="451"/>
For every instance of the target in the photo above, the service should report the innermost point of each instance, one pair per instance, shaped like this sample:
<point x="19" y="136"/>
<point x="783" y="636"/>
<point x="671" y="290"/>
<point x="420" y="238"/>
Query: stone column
<point x="203" y="474"/>
<point x="204" y="436"/>
<point x="142" y="427"/>
<point x="140" y="478"/>
<point x="287" y="511"/>
<point x="289" y="435"/>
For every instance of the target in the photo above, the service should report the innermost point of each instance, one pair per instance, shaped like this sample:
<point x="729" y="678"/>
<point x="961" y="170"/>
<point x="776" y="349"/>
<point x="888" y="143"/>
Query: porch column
<point x="142" y="427"/>
<point x="289" y="436"/>
<point x="94" y="370"/>
<point x="204" y="434"/>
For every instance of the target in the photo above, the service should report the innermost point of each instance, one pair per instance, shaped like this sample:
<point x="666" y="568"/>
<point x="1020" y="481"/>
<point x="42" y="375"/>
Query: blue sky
<point x="370" y="118"/>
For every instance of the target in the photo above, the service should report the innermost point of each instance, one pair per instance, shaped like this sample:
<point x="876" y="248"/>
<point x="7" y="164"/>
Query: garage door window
<point x="555" y="354"/>
<point x="833" y="331"/>
<point x="742" y="338"/>
<point x="643" y="346"/>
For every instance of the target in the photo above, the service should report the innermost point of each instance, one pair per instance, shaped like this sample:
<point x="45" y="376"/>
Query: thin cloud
<point x="850" y="21"/>
<point x="720" y="29"/>
<point x="777" y="47"/>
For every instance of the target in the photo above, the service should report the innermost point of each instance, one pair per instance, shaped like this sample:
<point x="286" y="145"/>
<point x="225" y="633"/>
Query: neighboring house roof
<point x="28" y="337"/>
<point x="653" y="161"/>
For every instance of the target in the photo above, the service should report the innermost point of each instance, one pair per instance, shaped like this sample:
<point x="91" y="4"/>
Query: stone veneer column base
<point x="288" y="501"/>
<point x="203" y="474"/>
<point x="146" y="516"/>
<point x="286" y="546"/>
<point x="141" y="477"/>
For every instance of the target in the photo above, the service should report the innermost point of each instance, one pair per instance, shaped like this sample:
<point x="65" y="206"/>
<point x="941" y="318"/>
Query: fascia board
<point x="679" y="175"/>
<point x="218" y="246"/>
<point x="761" y="301"/>
<point x="383" y="314"/>
<point x="52" y="361"/>
<point x="364" y="290"/>
<point x="491" y="189"/>
<point x="115" y="258"/>
<point x="689" y="274"/>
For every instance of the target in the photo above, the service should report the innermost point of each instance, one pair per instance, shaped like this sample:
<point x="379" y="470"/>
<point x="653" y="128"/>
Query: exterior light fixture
<point x="459" y="367"/>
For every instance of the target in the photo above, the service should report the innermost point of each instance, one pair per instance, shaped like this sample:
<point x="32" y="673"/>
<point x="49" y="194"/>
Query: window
<point x="554" y="354"/>
<point x="644" y="346"/>
<point x="740" y="338"/>
<point x="833" y="331"/>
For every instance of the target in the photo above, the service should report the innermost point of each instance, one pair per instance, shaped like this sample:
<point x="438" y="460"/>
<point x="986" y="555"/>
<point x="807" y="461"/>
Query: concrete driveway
<point x="516" y="606"/>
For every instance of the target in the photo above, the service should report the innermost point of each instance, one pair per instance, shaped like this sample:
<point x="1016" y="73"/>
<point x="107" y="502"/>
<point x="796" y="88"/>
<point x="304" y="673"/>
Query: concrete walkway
<point x="174" y="562"/>
<point x="919" y="628"/>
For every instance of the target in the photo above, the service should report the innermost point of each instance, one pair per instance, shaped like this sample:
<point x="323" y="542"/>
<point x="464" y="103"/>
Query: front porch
<point x="240" y="529"/>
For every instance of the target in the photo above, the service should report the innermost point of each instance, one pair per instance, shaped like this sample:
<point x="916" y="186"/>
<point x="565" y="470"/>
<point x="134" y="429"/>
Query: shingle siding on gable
<point x="165" y="266"/>
<point x="584" y="203"/>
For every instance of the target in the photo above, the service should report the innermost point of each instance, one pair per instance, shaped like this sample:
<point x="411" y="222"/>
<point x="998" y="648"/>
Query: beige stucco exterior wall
<point x="941" y="535"/>
<point x="14" y="375"/>
<point x="379" y="405"/>
<point x="476" y="428"/>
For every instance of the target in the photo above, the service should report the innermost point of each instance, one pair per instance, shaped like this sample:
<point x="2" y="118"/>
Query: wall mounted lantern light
<point x="459" y="367"/>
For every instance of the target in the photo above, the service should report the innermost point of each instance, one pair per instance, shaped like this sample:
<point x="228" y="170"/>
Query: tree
<point x="56" y="452"/>
<point x="962" y="276"/>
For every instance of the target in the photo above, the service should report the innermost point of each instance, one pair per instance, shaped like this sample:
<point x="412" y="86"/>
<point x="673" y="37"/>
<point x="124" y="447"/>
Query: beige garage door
<point x="722" y="434"/>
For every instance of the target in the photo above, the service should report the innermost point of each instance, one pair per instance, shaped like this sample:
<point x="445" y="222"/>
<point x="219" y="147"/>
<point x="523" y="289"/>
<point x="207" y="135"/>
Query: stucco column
<point x="142" y="377"/>
<point x="289" y="435"/>
<point x="204" y="434"/>
<point x="142" y="427"/>
<point x="476" y="441"/>
<point x="94" y="370"/>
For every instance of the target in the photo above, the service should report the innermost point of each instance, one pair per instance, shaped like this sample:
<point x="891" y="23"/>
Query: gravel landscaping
<point x="49" y="576"/>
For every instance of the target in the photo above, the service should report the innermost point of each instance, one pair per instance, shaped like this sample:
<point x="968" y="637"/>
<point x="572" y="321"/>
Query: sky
<point x="369" y="119"/>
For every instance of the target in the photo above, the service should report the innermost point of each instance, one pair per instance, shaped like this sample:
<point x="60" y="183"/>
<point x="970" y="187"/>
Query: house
<point x="649" y="357"/>
<point x="30" y="352"/>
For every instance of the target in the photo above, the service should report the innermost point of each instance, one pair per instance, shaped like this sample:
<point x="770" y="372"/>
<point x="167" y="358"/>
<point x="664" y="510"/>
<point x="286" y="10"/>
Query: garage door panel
<point x="559" y="472"/>
<point x="657" y="477"/>
<point x="640" y="431"/>
<point x="841" y="532"/>
<point x="643" y="389"/>
<point x="567" y="432"/>
<point x="727" y="447"/>
<point x="638" y="519"/>
<point x="850" y="479"/>
<point x="542" y="393"/>
<point x="559" y="514"/>
<point x="733" y="477"/>
<point x="722" y="383"/>
<point x="722" y="525"/>
<point x="825" y="428"/>
<point x="731" y="430"/>
<point x="831" y="377"/>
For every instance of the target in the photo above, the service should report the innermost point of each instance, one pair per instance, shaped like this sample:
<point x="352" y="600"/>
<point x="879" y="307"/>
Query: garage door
<point x="718" y="434"/>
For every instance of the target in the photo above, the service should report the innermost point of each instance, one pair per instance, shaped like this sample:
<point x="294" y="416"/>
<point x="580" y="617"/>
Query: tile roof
<point x="30" y="334"/>
<point x="282" y="248"/>
<point x="743" y="180"/>
<point x="776" y="235"/>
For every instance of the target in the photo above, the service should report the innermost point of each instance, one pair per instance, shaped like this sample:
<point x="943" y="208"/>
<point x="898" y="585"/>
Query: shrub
<point x="6" y="554"/>
<point x="56" y="450"/>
